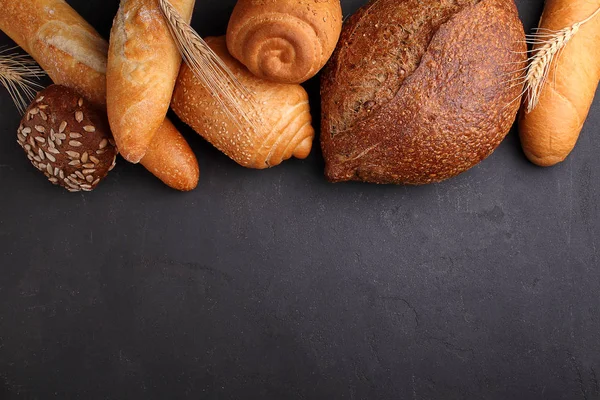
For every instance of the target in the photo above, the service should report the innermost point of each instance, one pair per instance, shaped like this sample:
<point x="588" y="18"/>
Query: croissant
<point x="285" y="41"/>
<point x="281" y="117"/>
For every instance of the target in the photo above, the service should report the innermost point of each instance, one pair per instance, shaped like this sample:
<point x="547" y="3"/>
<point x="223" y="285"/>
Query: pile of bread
<point x="414" y="91"/>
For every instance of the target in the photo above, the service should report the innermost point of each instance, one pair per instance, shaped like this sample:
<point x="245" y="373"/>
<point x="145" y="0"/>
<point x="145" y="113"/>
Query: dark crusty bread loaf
<point x="418" y="91"/>
<point x="67" y="139"/>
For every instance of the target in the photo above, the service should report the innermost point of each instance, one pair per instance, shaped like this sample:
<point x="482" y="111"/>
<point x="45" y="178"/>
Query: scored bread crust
<point x="143" y="64"/>
<point x="419" y="91"/>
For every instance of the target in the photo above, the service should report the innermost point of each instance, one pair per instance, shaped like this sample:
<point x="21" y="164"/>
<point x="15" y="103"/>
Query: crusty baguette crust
<point x="179" y="160"/>
<point x="549" y="133"/>
<point x="62" y="42"/>
<point x="143" y="63"/>
<point x="74" y="54"/>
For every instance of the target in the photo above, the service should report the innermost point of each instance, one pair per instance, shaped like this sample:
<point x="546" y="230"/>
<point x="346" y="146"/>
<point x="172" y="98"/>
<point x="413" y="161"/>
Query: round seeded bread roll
<point x="67" y="140"/>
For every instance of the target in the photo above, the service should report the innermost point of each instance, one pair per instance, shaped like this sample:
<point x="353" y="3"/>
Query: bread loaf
<point x="67" y="140"/>
<point x="285" y="41"/>
<point x="143" y="63"/>
<point x="75" y="55"/>
<point x="549" y="132"/>
<point x="416" y="91"/>
<point x="282" y="120"/>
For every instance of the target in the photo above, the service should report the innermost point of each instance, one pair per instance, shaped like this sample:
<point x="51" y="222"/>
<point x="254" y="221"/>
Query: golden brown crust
<point x="64" y="45"/>
<point x="176" y="164"/>
<point x="285" y="41"/>
<point x="549" y="133"/>
<point x="143" y="63"/>
<point x="450" y="113"/>
<point x="74" y="55"/>
<point x="283" y="120"/>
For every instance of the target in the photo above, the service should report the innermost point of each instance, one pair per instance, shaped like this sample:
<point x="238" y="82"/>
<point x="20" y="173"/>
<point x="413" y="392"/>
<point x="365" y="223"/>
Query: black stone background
<point x="278" y="285"/>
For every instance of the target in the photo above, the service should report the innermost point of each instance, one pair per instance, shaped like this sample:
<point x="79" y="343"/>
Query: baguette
<point x="75" y="55"/>
<point x="143" y="63"/>
<point x="550" y="131"/>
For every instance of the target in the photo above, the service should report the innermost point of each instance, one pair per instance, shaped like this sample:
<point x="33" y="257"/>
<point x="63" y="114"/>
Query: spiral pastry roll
<point x="285" y="41"/>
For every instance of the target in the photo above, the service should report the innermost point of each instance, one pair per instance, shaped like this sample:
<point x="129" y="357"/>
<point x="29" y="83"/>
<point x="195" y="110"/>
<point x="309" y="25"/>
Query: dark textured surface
<point x="276" y="284"/>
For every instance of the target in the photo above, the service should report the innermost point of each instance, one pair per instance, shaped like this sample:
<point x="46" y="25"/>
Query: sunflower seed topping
<point x="74" y="143"/>
<point x="89" y="128"/>
<point x="62" y="127"/>
<point x="78" y="116"/>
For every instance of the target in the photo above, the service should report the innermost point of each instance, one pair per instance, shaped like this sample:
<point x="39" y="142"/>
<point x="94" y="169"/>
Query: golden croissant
<point x="285" y="41"/>
<point x="280" y="117"/>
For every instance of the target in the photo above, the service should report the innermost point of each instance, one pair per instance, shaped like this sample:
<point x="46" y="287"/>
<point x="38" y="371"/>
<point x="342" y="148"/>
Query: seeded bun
<point x="67" y="140"/>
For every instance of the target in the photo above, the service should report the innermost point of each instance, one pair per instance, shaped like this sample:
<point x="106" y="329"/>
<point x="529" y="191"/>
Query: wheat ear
<point x="17" y="74"/>
<point x="209" y="68"/>
<point x="550" y="43"/>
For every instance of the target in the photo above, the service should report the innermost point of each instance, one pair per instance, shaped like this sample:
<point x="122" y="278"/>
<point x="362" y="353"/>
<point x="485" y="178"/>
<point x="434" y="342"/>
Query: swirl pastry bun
<point x="286" y="41"/>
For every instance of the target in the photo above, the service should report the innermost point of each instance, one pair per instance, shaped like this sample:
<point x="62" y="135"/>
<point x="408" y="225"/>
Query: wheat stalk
<point x="549" y="44"/>
<point x="17" y="73"/>
<point x="207" y="66"/>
